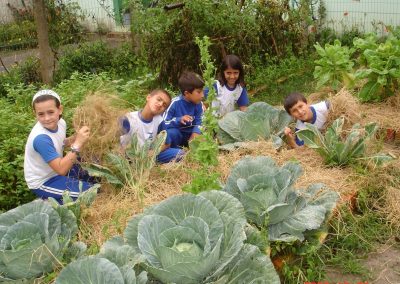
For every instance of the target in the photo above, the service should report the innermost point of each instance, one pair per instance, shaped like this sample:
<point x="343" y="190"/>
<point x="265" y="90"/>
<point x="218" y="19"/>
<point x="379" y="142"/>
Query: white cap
<point x="46" y="92"/>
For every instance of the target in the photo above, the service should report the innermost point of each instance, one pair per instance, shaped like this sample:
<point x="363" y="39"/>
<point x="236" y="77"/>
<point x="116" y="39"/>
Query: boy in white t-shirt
<point x="147" y="123"/>
<point x="296" y="105"/>
<point x="48" y="173"/>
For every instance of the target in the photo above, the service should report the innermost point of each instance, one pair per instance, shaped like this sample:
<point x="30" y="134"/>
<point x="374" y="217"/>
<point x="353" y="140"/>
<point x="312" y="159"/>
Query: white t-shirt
<point x="43" y="146"/>
<point x="227" y="98"/>
<point x="320" y="115"/>
<point x="145" y="130"/>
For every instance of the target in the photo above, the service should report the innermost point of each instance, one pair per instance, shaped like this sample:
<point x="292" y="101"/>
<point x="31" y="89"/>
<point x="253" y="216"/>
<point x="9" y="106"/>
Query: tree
<point x="45" y="53"/>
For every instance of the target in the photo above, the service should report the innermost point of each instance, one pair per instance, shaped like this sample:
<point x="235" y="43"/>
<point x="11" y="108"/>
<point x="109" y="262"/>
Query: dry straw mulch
<point x="99" y="113"/>
<point x="111" y="211"/>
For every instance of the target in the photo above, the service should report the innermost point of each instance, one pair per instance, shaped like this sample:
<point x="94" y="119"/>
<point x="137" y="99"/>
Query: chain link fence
<point x="363" y="15"/>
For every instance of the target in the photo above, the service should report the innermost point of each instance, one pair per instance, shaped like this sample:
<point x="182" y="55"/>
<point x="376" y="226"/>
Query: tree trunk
<point x="45" y="53"/>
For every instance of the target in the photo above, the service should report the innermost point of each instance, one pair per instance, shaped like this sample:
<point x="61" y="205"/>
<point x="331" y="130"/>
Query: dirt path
<point x="383" y="266"/>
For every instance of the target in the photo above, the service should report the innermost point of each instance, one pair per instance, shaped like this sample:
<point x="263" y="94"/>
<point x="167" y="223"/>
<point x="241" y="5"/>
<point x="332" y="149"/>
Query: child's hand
<point x="186" y="119"/>
<point x="82" y="136"/>
<point x="288" y="132"/>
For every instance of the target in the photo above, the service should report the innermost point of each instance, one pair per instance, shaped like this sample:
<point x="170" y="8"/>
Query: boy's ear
<point x="185" y="93"/>
<point x="61" y="108"/>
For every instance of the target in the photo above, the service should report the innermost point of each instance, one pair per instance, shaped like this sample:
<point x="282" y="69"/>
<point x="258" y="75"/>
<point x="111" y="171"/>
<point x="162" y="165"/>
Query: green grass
<point x="272" y="83"/>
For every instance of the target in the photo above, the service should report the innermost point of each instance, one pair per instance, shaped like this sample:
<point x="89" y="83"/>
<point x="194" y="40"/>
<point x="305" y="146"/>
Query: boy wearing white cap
<point x="47" y="172"/>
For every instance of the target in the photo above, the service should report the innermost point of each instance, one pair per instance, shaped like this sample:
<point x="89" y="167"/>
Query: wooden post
<point x="45" y="53"/>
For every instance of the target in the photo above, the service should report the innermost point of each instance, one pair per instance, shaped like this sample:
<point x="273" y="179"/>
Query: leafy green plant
<point x="89" y="57"/>
<point x="260" y="121"/>
<point x="382" y="70"/>
<point x="338" y="151"/>
<point x="243" y="28"/>
<point x="99" y="270"/>
<point x="204" y="148"/>
<point x="270" y="200"/>
<point x="197" y="239"/>
<point x="130" y="170"/>
<point x="334" y="68"/>
<point x="34" y="239"/>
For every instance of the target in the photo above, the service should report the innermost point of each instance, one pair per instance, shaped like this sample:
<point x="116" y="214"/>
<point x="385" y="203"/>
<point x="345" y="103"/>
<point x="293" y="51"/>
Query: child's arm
<point x="290" y="137"/>
<point x="243" y="100"/>
<point x="170" y="120"/>
<point x="62" y="165"/>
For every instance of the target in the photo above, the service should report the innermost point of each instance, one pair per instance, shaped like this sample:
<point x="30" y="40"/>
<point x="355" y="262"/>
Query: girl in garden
<point x="230" y="87"/>
<point x="47" y="172"/>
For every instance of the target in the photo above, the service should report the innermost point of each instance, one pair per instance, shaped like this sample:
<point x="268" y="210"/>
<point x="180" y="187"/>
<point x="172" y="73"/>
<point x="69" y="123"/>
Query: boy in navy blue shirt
<point x="184" y="115"/>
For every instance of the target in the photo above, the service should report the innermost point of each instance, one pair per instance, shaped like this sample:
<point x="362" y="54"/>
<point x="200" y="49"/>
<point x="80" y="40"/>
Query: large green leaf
<point x="91" y="270"/>
<point x="189" y="238"/>
<point x="259" y="121"/>
<point x="33" y="238"/>
<point x="270" y="201"/>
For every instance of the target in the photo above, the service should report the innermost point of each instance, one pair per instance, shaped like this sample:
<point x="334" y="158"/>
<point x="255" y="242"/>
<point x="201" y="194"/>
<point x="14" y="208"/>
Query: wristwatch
<point x="74" y="149"/>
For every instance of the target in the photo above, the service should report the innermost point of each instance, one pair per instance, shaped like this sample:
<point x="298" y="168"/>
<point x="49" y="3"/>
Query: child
<point x="184" y="115"/>
<point x="147" y="123"/>
<point x="296" y="105"/>
<point x="47" y="172"/>
<point x="230" y="87"/>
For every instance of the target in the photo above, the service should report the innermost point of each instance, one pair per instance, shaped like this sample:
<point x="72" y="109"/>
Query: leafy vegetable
<point x="334" y="68"/>
<point x="338" y="151"/>
<point x="382" y="70"/>
<point x="33" y="239"/>
<point x="197" y="239"/>
<point x="260" y="121"/>
<point x="270" y="201"/>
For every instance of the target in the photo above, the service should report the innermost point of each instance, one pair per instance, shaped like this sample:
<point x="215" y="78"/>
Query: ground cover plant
<point x="34" y="239"/>
<point x="197" y="239"/>
<point x="340" y="151"/>
<point x="260" y="121"/>
<point x="270" y="201"/>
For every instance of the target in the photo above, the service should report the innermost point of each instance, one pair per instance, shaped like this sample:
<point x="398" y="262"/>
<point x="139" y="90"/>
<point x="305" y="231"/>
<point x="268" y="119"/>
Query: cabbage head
<point x="198" y="239"/>
<point x="270" y="200"/>
<point x="259" y="121"/>
<point x="33" y="239"/>
<point x="113" y="265"/>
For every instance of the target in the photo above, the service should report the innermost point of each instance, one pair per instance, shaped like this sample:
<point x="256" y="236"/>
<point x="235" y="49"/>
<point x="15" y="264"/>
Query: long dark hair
<point x="233" y="62"/>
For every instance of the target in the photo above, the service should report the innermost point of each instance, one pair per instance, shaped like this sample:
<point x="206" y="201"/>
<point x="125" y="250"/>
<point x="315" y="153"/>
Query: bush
<point x="18" y="35"/>
<point x="89" y="57"/>
<point x="16" y="122"/>
<point x="167" y="38"/>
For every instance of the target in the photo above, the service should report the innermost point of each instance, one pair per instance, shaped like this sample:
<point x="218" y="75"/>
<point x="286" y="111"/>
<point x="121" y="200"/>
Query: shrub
<point x="168" y="38"/>
<point x="88" y="57"/>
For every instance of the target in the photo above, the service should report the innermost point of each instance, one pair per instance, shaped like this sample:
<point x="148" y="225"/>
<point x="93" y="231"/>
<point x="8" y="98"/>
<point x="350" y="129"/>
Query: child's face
<point x="195" y="97"/>
<point x="231" y="76"/>
<point x="48" y="114"/>
<point x="301" y="111"/>
<point x="158" y="103"/>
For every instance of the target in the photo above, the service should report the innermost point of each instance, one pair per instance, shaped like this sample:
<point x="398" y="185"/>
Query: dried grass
<point x="344" y="104"/>
<point x="98" y="112"/>
<point x="110" y="212"/>
<point x="385" y="114"/>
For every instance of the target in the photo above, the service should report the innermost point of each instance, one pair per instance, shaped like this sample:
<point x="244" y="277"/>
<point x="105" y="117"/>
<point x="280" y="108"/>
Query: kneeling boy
<point x="147" y="123"/>
<point x="183" y="118"/>
<point x="296" y="105"/>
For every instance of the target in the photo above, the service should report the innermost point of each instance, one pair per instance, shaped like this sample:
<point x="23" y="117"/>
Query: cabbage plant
<point x="340" y="151"/>
<point x="33" y="239"/>
<point x="270" y="200"/>
<point x="260" y="121"/>
<point x="198" y="239"/>
<point x="113" y="265"/>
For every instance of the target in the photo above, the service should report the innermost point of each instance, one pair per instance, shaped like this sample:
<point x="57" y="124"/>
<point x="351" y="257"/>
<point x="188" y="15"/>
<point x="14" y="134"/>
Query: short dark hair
<point x="233" y="62"/>
<point x="156" y="91"/>
<point x="189" y="81"/>
<point x="44" y="98"/>
<point x="293" y="99"/>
